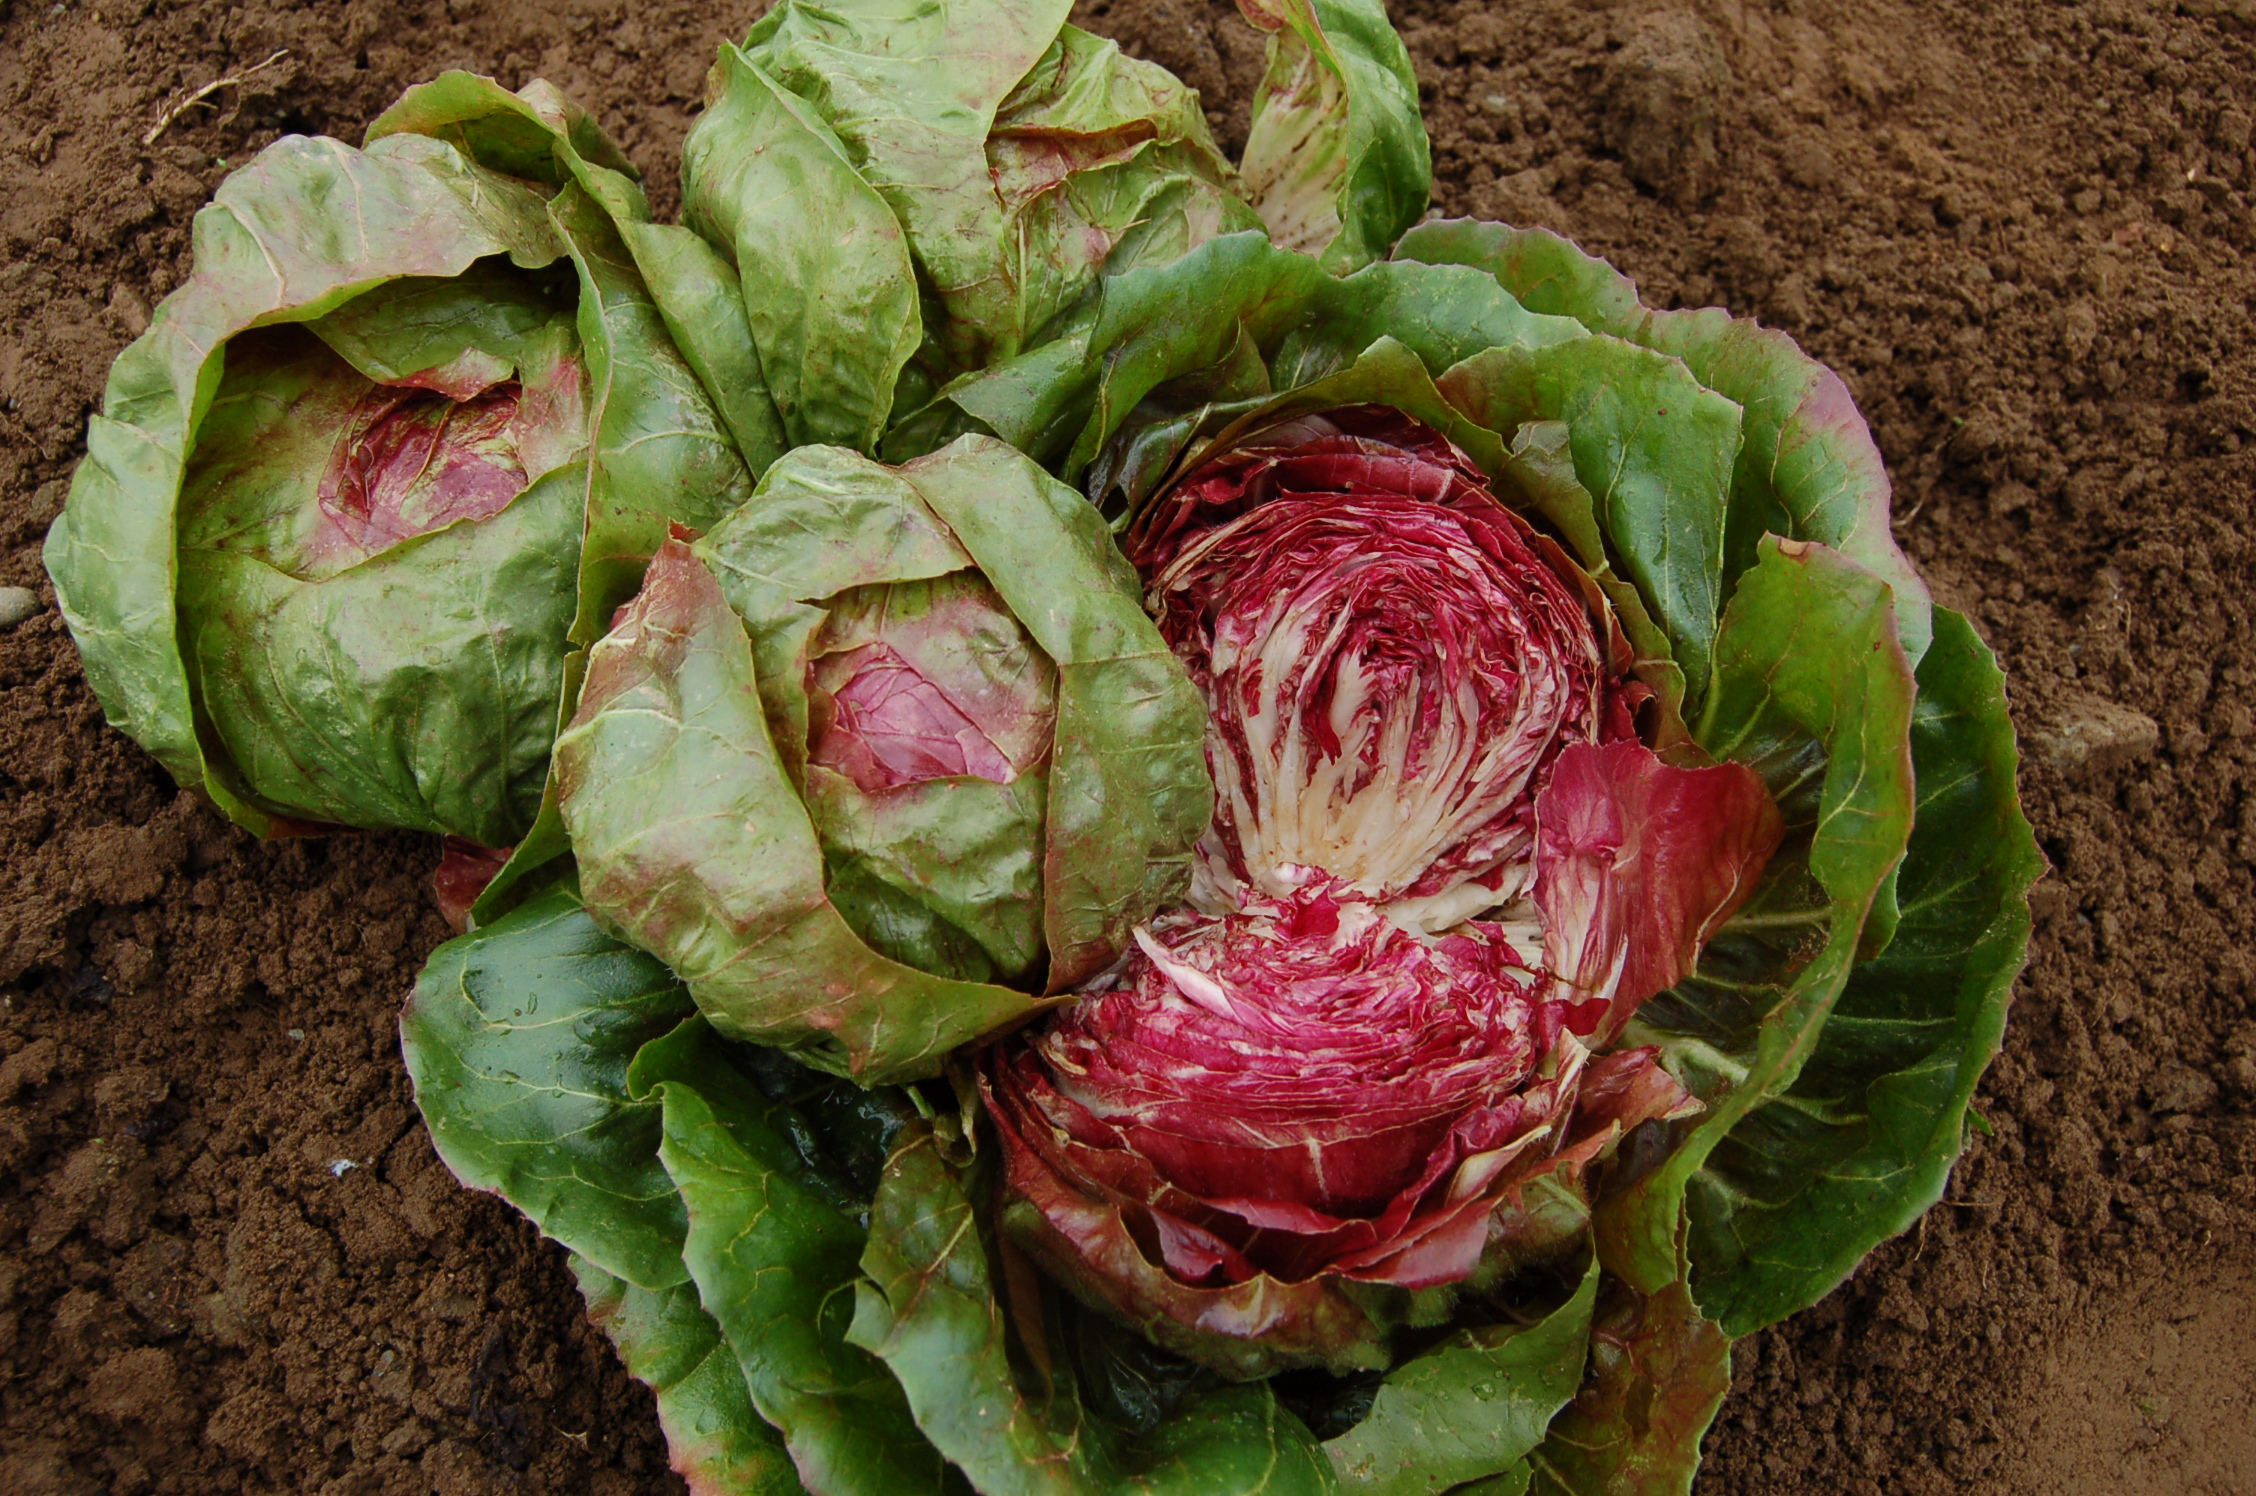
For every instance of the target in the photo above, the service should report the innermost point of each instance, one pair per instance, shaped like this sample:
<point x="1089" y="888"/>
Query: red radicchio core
<point x="1267" y="1104"/>
<point x="1390" y="658"/>
<point x="1327" y="1073"/>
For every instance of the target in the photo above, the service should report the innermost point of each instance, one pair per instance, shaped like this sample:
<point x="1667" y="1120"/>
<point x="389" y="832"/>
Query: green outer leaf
<point x="717" y="1443"/>
<point x="536" y="133"/>
<point x="661" y="454"/>
<point x="1544" y="271"/>
<point x="1808" y="468"/>
<point x="952" y="867"/>
<point x="692" y="842"/>
<point x="827" y="284"/>
<point x="1336" y="159"/>
<point x="1863" y="1142"/>
<point x="1513" y="1482"/>
<point x="773" y="1260"/>
<point x="1810" y="680"/>
<point x="539" y="133"/>
<point x="303" y="227"/>
<point x="1653" y="448"/>
<point x="497" y="316"/>
<point x="1129" y="791"/>
<point x="1060" y="402"/>
<point x="912" y="90"/>
<point x="1447" y="313"/>
<point x="1541" y="470"/>
<point x="929" y="1309"/>
<point x="1470" y="1408"/>
<point x="702" y="302"/>
<point x="1185" y="316"/>
<point x="518" y="1039"/>
<point x="1658" y="1372"/>
<point x="534" y="862"/>
<point x="1122" y="201"/>
<point x="415" y="690"/>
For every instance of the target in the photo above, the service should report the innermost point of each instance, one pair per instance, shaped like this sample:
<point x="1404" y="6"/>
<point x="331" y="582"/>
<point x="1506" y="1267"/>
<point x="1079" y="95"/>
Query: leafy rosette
<point x="885" y="757"/>
<point x="911" y="194"/>
<point x="382" y="465"/>
<point x="1719" y="503"/>
<point x="1606" y="905"/>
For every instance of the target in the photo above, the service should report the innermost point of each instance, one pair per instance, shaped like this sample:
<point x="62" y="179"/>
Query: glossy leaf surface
<point x="715" y="1439"/>
<point x="518" y="1038"/>
<point x="1016" y="1399"/>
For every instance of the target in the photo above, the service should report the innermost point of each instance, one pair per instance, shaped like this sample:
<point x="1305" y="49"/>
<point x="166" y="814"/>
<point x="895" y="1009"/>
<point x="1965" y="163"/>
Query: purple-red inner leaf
<point x="1389" y="657"/>
<point x="891" y="726"/>
<point x="1262" y="1098"/>
<point x="412" y="461"/>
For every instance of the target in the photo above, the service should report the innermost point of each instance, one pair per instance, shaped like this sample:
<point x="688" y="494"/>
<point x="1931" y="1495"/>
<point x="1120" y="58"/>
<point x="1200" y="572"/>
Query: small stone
<point x="2089" y="734"/>
<point x="1496" y="103"/>
<point x="17" y="604"/>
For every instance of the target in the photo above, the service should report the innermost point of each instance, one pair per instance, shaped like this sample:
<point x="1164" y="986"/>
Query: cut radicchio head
<point x="1264" y="1108"/>
<point x="1391" y="661"/>
<point x="1343" y="1066"/>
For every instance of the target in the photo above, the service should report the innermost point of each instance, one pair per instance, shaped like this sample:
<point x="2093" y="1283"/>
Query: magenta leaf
<point x="1637" y="864"/>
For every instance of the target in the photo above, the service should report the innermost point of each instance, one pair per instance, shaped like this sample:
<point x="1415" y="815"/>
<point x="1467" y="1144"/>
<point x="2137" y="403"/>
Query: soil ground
<point x="228" y="1258"/>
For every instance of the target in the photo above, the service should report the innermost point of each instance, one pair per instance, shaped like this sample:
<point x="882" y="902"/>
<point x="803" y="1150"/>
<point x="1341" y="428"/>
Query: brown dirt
<point x="2022" y="230"/>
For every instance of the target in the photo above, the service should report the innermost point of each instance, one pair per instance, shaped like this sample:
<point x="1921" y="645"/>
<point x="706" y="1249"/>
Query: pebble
<point x="17" y="604"/>
<point x="2088" y="733"/>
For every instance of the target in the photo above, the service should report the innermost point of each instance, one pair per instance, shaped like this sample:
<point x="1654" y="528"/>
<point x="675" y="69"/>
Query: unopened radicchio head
<point x="927" y="679"/>
<point x="1391" y="660"/>
<point x="1267" y="1107"/>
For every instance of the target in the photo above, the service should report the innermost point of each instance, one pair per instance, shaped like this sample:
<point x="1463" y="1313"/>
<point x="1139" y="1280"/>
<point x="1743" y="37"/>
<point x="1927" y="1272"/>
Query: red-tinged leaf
<point x="1637" y="863"/>
<point x="692" y="842"/>
<point x="464" y="870"/>
<point x="1658" y="1371"/>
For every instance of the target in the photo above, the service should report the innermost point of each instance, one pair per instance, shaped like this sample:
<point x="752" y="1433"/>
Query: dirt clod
<point x="2088" y="733"/>
<point x="1661" y="93"/>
